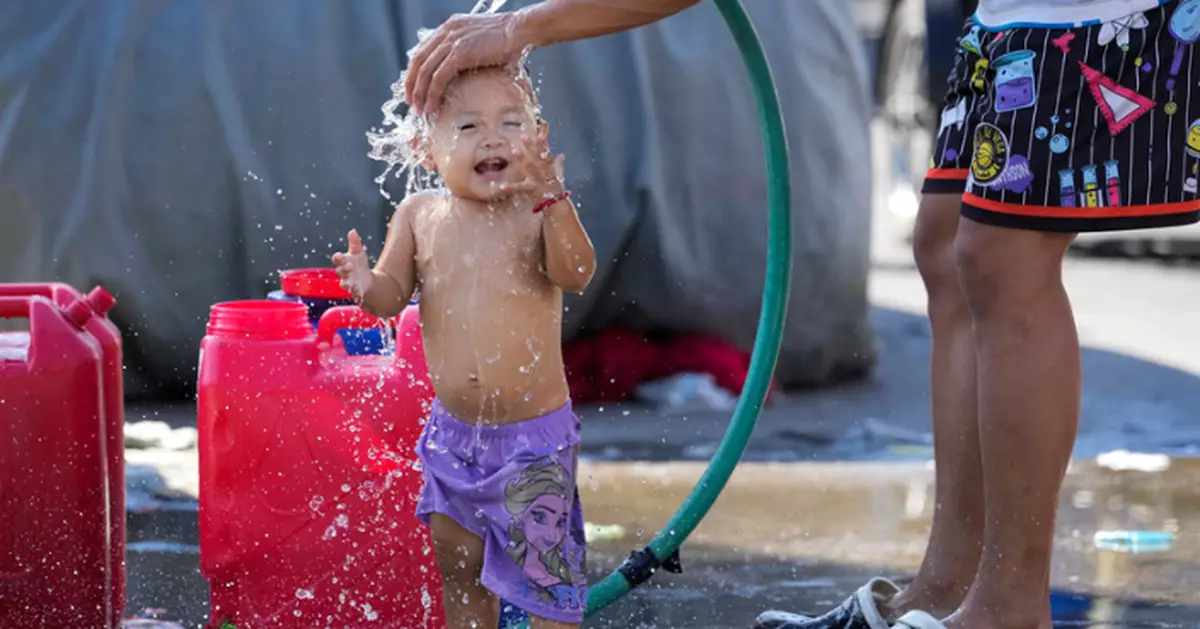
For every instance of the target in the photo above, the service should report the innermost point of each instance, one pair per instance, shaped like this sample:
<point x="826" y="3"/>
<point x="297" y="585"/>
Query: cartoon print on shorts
<point x="540" y="500"/>
<point x="979" y="77"/>
<point x="970" y="42"/>
<point x="1184" y="26"/>
<point x="992" y="166"/>
<point x="1016" y="87"/>
<point x="990" y="156"/>
<point x="1063" y="42"/>
<point x="1193" y="150"/>
<point x="1093" y="192"/>
<point x="1119" y="105"/>
<point x="1118" y="29"/>
<point x="1066" y="187"/>
<point x="953" y="116"/>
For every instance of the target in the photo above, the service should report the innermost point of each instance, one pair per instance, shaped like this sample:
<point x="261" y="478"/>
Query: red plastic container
<point x="308" y="481"/>
<point x="56" y="557"/>
<point x="109" y="337"/>
<point x="318" y="283"/>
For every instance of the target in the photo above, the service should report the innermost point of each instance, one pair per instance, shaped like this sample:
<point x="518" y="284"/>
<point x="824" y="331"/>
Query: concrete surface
<point x="836" y="486"/>
<point x="801" y="536"/>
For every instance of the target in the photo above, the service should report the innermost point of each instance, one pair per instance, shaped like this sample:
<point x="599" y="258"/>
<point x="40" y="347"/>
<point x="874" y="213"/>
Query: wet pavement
<point x="836" y="486"/>
<point x="802" y="536"/>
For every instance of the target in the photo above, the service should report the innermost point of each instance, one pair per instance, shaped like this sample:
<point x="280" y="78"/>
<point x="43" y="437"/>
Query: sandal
<point x="859" y="611"/>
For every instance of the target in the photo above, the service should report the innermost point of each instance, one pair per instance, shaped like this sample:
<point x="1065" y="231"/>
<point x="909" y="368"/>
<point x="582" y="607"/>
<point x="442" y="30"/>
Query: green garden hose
<point x="766" y="342"/>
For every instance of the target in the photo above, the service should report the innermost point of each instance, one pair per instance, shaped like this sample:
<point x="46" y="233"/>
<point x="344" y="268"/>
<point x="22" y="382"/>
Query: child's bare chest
<point x="504" y="251"/>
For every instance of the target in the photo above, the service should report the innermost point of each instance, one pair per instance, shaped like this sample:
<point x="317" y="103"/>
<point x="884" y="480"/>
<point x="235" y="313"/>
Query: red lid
<point x="100" y="300"/>
<point x="312" y="283"/>
<point x="79" y="312"/>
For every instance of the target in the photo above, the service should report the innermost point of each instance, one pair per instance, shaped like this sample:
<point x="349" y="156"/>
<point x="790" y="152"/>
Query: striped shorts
<point x="1090" y="128"/>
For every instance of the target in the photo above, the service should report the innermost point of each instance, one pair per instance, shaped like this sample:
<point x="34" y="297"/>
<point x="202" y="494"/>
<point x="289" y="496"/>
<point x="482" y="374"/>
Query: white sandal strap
<point x="868" y="602"/>
<point x="918" y="619"/>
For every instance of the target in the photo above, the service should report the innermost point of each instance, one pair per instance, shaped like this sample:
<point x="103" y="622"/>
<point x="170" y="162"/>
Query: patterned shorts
<point x="1090" y="128"/>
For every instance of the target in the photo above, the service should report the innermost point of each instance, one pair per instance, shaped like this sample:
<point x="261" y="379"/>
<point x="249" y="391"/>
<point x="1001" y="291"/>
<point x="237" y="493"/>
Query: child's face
<point x="483" y="120"/>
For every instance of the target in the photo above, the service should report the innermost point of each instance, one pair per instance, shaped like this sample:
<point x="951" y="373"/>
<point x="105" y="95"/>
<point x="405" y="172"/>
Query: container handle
<point x="342" y="317"/>
<point x="14" y="307"/>
<point x="27" y="290"/>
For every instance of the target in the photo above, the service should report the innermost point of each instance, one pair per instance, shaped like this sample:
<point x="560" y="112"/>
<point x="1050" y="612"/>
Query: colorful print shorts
<point x="513" y="485"/>
<point x="1080" y="129"/>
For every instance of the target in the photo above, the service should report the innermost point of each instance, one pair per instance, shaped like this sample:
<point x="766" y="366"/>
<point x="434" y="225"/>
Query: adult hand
<point x="463" y="42"/>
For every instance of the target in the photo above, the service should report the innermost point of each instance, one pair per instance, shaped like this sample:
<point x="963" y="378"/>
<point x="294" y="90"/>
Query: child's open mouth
<point x="491" y="165"/>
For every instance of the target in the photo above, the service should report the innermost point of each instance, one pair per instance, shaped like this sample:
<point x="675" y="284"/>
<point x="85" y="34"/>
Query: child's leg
<point x="460" y="558"/>
<point x="542" y="623"/>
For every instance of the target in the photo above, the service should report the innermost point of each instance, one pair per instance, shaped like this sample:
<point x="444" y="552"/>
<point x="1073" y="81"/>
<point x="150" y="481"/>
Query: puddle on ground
<point x="802" y="536"/>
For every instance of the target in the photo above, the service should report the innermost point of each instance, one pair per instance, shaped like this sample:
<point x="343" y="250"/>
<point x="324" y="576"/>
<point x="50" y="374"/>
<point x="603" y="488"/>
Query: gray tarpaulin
<point x="180" y="153"/>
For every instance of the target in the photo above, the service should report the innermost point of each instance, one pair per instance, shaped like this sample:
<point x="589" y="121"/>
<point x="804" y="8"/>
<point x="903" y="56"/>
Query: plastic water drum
<point x="109" y="337"/>
<point x="308" y="481"/>
<point x="56" y="553"/>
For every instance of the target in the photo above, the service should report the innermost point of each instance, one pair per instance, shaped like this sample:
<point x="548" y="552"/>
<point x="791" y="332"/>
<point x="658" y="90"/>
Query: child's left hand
<point x="543" y="172"/>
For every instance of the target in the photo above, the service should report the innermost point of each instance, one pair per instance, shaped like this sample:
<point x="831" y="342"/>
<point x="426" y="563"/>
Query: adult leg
<point x="956" y="535"/>
<point x="1029" y="397"/>
<point x="460" y="559"/>
<point x="952" y="556"/>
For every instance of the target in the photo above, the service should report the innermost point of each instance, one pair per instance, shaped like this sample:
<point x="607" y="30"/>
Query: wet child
<point x="491" y="253"/>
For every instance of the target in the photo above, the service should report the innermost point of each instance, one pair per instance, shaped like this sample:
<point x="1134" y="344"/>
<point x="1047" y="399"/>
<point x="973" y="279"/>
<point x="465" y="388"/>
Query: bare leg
<point x="460" y="559"/>
<point x="956" y="536"/>
<point x="1029" y="396"/>
<point x="542" y="623"/>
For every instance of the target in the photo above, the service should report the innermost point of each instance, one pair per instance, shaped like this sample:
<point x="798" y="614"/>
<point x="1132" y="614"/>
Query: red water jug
<point x="56" y="557"/>
<point x="109" y="337"/>
<point x="308" y="480"/>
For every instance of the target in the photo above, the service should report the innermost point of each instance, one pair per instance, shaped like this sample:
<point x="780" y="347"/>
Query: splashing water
<point x="488" y="6"/>
<point x="394" y="142"/>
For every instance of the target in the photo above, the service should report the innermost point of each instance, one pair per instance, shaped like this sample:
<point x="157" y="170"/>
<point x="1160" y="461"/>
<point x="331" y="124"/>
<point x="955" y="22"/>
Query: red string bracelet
<point x="546" y="203"/>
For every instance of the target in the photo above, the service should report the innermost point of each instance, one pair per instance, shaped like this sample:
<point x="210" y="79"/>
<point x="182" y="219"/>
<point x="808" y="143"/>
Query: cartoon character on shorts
<point x="540" y="501"/>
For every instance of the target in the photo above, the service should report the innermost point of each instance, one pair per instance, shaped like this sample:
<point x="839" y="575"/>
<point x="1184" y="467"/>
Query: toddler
<point x="491" y="253"/>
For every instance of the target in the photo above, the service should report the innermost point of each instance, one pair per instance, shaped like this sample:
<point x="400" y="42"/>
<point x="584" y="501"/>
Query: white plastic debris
<point x="687" y="391"/>
<point x="1124" y="460"/>
<point x="156" y="435"/>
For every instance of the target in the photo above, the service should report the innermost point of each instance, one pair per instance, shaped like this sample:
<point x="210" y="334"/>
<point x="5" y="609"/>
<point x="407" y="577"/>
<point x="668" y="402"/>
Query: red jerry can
<point x="308" y="481"/>
<point x="56" y="556"/>
<point x="109" y="337"/>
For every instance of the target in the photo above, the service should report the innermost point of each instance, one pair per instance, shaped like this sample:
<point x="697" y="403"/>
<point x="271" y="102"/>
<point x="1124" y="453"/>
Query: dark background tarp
<point x="180" y="153"/>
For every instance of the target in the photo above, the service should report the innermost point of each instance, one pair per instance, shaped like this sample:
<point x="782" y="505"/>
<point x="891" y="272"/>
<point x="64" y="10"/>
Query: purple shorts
<point x="513" y="485"/>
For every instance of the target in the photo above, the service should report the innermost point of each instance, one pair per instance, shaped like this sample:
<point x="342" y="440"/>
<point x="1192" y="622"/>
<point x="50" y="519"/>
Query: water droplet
<point x="580" y="269"/>
<point x="304" y="594"/>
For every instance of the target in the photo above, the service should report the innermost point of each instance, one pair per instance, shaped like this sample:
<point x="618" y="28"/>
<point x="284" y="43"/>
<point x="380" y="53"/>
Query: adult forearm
<point x="557" y="21"/>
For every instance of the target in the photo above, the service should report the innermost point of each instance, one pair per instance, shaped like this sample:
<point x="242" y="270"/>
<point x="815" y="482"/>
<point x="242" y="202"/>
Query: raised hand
<point x="353" y="268"/>
<point x="543" y="172"/>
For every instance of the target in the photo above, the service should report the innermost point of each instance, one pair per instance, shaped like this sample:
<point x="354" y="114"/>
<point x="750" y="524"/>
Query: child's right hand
<point x="353" y="268"/>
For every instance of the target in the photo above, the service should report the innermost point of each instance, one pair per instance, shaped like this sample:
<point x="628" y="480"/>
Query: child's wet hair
<point x="518" y="73"/>
<point x="400" y="141"/>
